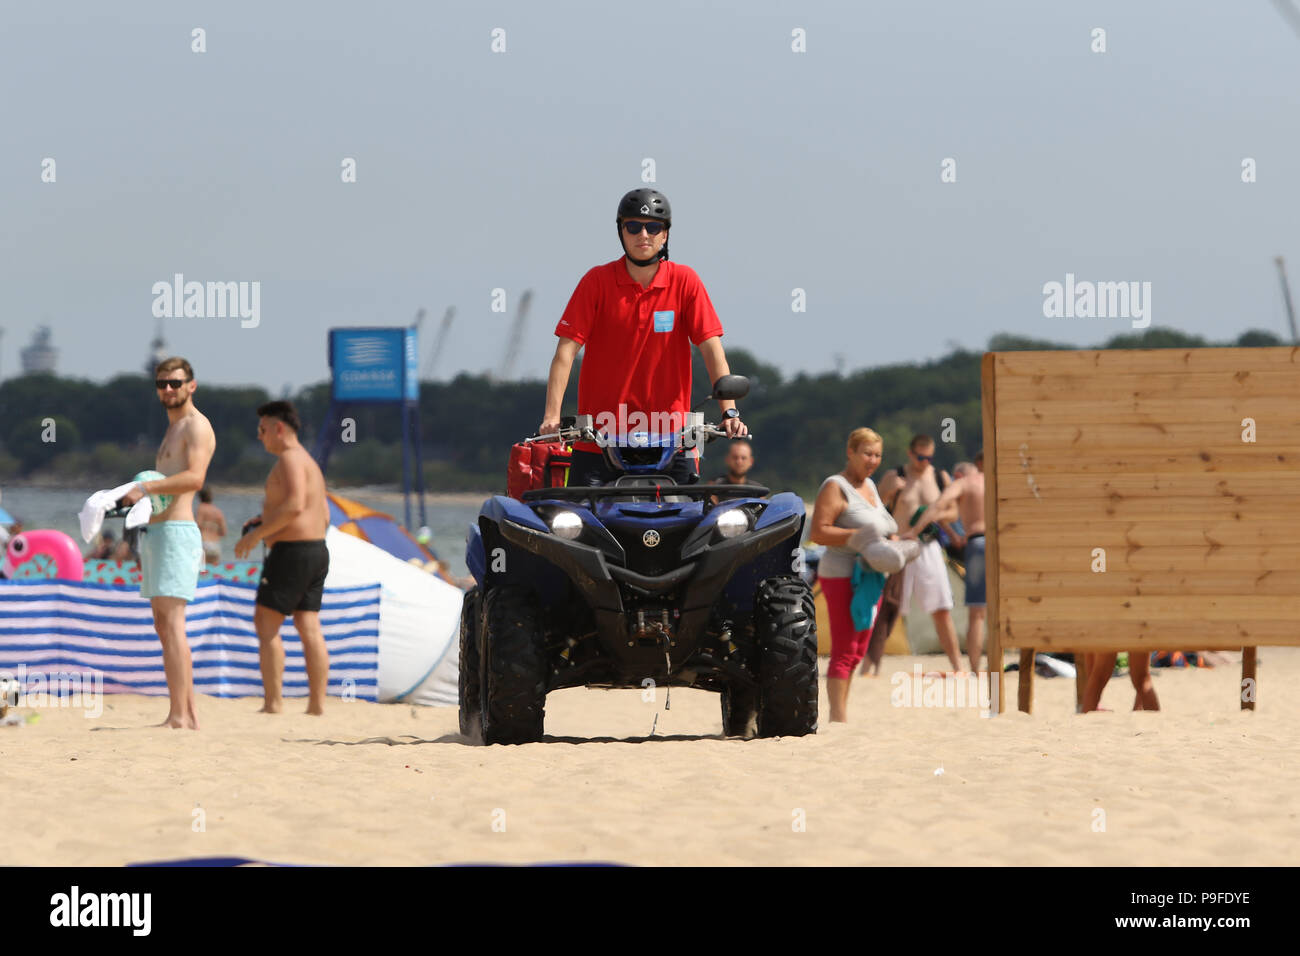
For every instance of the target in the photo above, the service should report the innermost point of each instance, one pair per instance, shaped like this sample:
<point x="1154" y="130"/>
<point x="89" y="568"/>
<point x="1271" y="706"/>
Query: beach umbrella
<point x="381" y="530"/>
<point x="6" y="517"/>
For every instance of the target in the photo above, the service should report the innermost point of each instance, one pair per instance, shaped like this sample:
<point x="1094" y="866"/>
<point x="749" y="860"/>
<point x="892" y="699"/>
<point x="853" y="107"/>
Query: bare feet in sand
<point x="180" y="723"/>
<point x="270" y="708"/>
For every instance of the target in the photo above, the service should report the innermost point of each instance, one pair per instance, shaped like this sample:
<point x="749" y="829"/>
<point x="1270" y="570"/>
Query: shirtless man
<point x="171" y="548"/>
<point x="740" y="459"/>
<point x="927" y="576"/>
<point x="967" y="492"/>
<point x="212" y="525"/>
<point x="293" y="521"/>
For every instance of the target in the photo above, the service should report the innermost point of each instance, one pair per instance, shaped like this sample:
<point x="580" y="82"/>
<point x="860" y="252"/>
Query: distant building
<point x="40" y="356"/>
<point x="157" y="352"/>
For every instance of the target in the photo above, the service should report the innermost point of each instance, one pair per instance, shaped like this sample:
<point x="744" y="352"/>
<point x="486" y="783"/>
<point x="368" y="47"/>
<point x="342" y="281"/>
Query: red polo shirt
<point x="638" y="341"/>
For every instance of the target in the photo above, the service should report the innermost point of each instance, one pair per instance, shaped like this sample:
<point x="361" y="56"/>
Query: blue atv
<point x="639" y="579"/>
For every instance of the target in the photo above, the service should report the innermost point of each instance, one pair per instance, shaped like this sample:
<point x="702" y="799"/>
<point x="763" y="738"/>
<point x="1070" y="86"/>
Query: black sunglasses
<point x="924" y="457"/>
<point x="651" y="228"/>
<point x="176" y="383"/>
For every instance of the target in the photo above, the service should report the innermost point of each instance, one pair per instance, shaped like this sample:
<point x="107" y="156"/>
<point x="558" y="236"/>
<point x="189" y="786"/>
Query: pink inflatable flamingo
<point x="60" y="548"/>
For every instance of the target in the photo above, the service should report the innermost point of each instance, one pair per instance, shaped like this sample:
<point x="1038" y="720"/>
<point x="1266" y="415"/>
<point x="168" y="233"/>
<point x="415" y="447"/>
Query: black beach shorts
<point x="293" y="576"/>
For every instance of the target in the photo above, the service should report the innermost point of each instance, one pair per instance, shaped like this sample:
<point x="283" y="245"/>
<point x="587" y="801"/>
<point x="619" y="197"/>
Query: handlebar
<point x="564" y="434"/>
<point x="689" y="436"/>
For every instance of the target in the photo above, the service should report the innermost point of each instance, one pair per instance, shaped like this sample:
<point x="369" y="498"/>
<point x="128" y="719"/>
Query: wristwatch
<point x="730" y="413"/>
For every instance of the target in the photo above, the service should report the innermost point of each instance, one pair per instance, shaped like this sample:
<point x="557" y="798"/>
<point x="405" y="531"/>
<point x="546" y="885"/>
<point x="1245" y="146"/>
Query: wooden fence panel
<point x="1141" y="499"/>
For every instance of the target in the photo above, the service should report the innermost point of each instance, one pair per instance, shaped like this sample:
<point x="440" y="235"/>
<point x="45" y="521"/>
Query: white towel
<point x="140" y="513"/>
<point x="91" y="515"/>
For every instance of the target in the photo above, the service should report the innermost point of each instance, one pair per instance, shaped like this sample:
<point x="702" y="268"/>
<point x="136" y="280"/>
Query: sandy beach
<point x="1200" y="783"/>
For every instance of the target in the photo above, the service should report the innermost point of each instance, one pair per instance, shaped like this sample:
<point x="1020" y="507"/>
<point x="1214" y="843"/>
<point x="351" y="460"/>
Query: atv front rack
<point x="642" y="491"/>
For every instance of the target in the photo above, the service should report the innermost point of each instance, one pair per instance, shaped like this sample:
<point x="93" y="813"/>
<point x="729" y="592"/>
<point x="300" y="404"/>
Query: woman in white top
<point x="850" y="520"/>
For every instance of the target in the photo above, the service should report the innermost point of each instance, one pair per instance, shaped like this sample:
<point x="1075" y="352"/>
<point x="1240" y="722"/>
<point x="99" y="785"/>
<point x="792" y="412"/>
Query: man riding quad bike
<point x="639" y="578"/>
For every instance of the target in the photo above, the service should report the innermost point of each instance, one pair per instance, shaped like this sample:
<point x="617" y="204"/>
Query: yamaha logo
<point x="650" y="538"/>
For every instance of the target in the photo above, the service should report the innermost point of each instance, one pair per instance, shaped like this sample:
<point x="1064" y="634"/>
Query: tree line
<point x="76" y="431"/>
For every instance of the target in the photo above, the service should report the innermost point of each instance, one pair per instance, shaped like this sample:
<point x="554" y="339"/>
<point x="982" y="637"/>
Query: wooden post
<point x="1248" y="678"/>
<point x="1026" y="689"/>
<point x="988" y="376"/>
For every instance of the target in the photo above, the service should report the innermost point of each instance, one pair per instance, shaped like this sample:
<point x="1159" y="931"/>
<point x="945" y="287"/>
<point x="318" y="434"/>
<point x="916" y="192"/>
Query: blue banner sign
<point x="374" y="365"/>
<point x="412" y="367"/>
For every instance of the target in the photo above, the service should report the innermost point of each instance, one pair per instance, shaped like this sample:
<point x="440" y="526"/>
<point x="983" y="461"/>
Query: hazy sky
<point x="477" y="170"/>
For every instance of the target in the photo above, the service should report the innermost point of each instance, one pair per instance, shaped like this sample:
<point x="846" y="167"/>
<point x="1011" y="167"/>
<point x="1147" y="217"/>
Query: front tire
<point x="514" y="667"/>
<point x="785" y="624"/>
<point x="471" y="687"/>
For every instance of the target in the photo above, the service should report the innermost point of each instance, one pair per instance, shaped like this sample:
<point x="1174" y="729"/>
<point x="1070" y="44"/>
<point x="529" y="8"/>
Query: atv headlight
<point x="566" y="525"/>
<point x="733" y="522"/>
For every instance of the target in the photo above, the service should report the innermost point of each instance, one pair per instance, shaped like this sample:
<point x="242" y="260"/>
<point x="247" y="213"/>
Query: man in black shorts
<point x="294" y="519"/>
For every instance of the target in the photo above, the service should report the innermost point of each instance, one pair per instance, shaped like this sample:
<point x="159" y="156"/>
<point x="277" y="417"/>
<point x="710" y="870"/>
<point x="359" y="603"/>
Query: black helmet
<point x="645" y="204"/>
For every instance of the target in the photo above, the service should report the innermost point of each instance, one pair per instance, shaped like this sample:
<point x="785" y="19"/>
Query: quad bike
<point x="641" y="579"/>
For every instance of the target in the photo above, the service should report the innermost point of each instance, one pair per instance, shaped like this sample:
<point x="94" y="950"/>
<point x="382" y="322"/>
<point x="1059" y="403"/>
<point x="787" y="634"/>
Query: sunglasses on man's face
<point x="175" y="383"/>
<point x="924" y="457"/>
<point x="651" y="228"/>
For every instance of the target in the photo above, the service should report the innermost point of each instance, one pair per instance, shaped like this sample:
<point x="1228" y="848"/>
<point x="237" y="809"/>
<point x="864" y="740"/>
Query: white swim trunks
<point x="927" y="579"/>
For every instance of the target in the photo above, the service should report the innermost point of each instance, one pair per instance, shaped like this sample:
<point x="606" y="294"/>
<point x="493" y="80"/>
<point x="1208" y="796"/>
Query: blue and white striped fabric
<point x="71" y="627"/>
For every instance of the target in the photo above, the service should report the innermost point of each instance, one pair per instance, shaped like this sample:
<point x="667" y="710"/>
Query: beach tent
<point x="381" y="530"/>
<point x="419" y="620"/>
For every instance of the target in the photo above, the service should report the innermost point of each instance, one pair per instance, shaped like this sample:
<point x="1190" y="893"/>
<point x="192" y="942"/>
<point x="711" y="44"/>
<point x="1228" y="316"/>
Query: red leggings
<point x="848" y="645"/>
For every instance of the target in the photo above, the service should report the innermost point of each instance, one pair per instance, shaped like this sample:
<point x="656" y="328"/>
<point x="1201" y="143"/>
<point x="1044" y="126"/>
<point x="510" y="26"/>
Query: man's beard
<point x="180" y="404"/>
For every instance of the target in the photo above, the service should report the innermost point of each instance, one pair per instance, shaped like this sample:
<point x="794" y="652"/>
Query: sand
<point x="1199" y="783"/>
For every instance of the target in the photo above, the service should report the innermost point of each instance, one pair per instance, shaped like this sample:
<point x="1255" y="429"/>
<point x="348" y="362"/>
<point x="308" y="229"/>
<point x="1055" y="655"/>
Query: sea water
<point x="43" y="507"/>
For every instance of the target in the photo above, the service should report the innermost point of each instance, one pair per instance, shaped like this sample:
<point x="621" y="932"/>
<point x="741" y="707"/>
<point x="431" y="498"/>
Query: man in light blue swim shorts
<point x="171" y="555"/>
<point x="171" y="548"/>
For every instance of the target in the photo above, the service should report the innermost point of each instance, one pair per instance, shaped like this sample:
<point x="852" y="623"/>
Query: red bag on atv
<point x="537" y="465"/>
